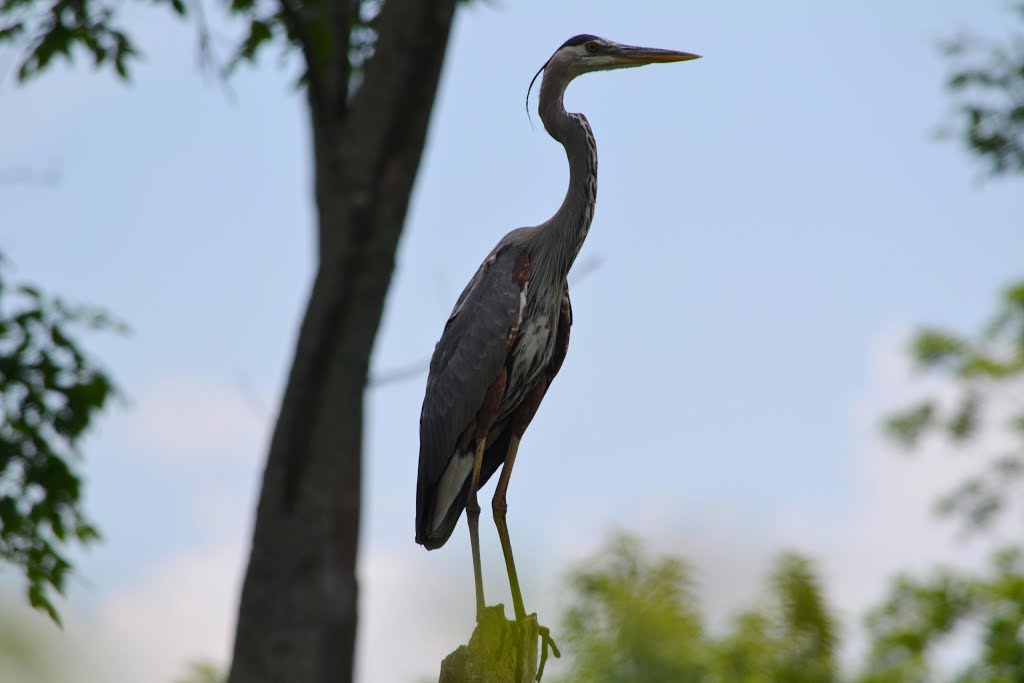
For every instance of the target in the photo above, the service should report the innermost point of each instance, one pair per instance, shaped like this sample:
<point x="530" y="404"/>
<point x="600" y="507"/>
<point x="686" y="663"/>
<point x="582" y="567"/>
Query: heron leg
<point x="520" y="421"/>
<point x="473" y="517"/>
<point x="499" y="506"/>
<point x="484" y="419"/>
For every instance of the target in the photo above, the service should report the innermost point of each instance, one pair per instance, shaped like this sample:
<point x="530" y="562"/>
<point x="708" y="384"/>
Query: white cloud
<point x="182" y="610"/>
<point x="148" y="631"/>
<point x="412" y="612"/>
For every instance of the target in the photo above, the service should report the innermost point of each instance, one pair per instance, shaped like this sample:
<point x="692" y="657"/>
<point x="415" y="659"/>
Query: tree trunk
<point x="297" y="615"/>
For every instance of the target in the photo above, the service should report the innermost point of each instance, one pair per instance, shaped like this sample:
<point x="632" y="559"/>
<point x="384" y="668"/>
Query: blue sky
<point x="772" y="221"/>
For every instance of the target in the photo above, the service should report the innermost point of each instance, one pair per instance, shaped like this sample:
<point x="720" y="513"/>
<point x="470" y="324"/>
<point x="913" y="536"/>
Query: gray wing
<point x="466" y="361"/>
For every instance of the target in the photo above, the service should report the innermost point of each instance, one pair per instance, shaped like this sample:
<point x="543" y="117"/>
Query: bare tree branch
<point x="29" y="176"/>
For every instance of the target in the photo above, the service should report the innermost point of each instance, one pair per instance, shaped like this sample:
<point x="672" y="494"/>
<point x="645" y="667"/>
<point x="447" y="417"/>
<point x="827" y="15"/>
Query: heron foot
<point x="546" y="642"/>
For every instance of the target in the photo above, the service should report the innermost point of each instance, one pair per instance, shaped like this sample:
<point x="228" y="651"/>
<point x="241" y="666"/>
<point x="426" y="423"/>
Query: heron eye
<point x="591" y="47"/>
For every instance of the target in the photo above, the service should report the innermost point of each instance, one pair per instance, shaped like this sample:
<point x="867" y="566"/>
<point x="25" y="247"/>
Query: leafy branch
<point x="988" y="84"/>
<point x="987" y="368"/>
<point x="50" y="394"/>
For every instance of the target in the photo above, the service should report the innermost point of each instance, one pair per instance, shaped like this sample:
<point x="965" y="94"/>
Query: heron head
<point x="585" y="53"/>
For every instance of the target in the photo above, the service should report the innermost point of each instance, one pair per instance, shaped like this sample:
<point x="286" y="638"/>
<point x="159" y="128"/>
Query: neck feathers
<point x="563" y="234"/>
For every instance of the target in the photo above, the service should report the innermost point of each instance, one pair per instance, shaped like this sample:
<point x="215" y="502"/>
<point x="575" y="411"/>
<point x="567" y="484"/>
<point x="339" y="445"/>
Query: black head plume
<point x="572" y="42"/>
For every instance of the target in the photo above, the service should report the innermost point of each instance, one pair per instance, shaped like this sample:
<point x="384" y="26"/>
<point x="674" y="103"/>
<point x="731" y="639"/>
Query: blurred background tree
<point x="633" y="617"/>
<point x="987" y="368"/>
<point x="793" y="637"/>
<point x="988" y="88"/>
<point x="987" y="374"/>
<point x="980" y="616"/>
<point x="920" y="621"/>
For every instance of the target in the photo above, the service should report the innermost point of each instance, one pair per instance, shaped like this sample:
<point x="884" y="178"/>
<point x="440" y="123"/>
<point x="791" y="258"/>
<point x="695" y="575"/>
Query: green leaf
<point x="1014" y="295"/>
<point x="986" y="366"/>
<point x="50" y="392"/>
<point x="87" y="533"/>
<point x="121" y="65"/>
<point x="931" y="347"/>
<point x="37" y="598"/>
<point x="907" y="427"/>
<point x="259" y="33"/>
<point x="1008" y="467"/>
<point x="12" y="31"/>
<point x="964" y="421"/>
<point x="10" y="517"/>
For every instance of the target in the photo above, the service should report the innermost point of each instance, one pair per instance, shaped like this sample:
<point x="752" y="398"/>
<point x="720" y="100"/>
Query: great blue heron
<point x="505" y="340"/>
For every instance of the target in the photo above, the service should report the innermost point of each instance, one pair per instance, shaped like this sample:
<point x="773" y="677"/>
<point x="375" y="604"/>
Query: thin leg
<point x="473" y="517"/>
<point x="500" y="506"/>
<point x="484" y="418"/>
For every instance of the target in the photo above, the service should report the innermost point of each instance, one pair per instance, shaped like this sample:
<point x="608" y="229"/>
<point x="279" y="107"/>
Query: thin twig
<point x="28" y="176"/>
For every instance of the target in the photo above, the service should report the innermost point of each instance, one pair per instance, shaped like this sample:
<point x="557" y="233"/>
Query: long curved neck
<point x="562" y="235"/>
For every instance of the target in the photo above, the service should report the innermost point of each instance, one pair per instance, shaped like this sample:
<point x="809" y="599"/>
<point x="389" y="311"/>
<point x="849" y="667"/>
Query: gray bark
<point x="297" y="615"/>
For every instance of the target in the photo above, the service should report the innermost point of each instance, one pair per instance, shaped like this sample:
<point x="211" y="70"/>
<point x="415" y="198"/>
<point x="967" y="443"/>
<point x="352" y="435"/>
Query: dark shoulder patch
<point x="578" y="40"/>
<point x="521" y="270"/>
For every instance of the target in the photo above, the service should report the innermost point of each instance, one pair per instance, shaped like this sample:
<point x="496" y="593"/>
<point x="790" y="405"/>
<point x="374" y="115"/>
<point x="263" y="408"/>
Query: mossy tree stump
<point x="499" y="651"/>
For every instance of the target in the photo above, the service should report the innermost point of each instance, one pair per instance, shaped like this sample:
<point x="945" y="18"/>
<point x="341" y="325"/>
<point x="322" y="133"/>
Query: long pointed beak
<point x="636" y="56"/>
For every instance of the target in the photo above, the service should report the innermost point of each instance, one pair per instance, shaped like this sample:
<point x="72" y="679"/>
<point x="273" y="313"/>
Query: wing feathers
<point x="466" y="361"/>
